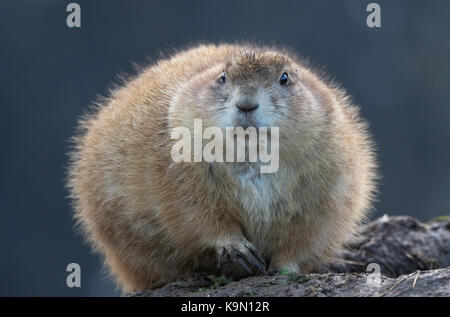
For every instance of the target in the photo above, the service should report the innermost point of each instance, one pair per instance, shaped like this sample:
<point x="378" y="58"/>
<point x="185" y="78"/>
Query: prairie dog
<point x="156" y="220"/>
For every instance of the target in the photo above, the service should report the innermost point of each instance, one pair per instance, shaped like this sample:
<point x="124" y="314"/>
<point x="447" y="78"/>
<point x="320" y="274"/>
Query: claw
<point x="225" y="256"/>
<point x="241" y="261"/>
<point x="259" y="263"/>
<point x="244" y="257"/>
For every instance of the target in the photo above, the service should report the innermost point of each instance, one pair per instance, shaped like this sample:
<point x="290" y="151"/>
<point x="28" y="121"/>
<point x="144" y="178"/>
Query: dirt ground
<point x="413" y="259"/>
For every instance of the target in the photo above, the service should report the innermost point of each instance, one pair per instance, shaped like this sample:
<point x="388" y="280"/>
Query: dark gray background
<point x="399" y="74"/>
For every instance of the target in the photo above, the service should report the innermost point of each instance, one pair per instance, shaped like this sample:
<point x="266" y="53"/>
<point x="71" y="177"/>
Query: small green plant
<point x="298" y="278"/>
<point x="219" y="281"/>
<point x="284" y="272"/>
<point x="269" y="283"/>
<point x="248" y="294"/>
<point x="442" y="218"/>
<point x="433" y="263"/>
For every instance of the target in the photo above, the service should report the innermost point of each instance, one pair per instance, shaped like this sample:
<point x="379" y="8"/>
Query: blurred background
<point x="49" y="73"/>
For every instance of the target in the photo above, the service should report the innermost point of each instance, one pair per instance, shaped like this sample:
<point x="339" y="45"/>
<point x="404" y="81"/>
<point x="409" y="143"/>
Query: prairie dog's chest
<point x="260" y="196"/>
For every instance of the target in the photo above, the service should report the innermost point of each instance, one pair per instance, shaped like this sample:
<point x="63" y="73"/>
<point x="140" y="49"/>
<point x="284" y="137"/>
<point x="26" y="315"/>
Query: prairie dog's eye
<point x="223" y="77"/>
<point x="284" y="79"/>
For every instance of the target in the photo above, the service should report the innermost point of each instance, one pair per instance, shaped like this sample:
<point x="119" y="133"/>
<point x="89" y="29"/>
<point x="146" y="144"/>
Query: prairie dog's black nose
<point x="247" y="106"/>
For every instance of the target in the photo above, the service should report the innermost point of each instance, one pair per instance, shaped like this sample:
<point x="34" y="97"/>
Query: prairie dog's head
<point x="254" y="87"/>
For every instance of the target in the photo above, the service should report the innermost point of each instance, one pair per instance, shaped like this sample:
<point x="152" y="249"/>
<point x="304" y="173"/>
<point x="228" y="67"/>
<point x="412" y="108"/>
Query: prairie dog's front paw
<point x="239" y="254"/>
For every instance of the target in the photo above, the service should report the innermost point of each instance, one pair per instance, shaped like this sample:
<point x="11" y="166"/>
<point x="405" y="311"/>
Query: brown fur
<point x="155" y="220"/>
